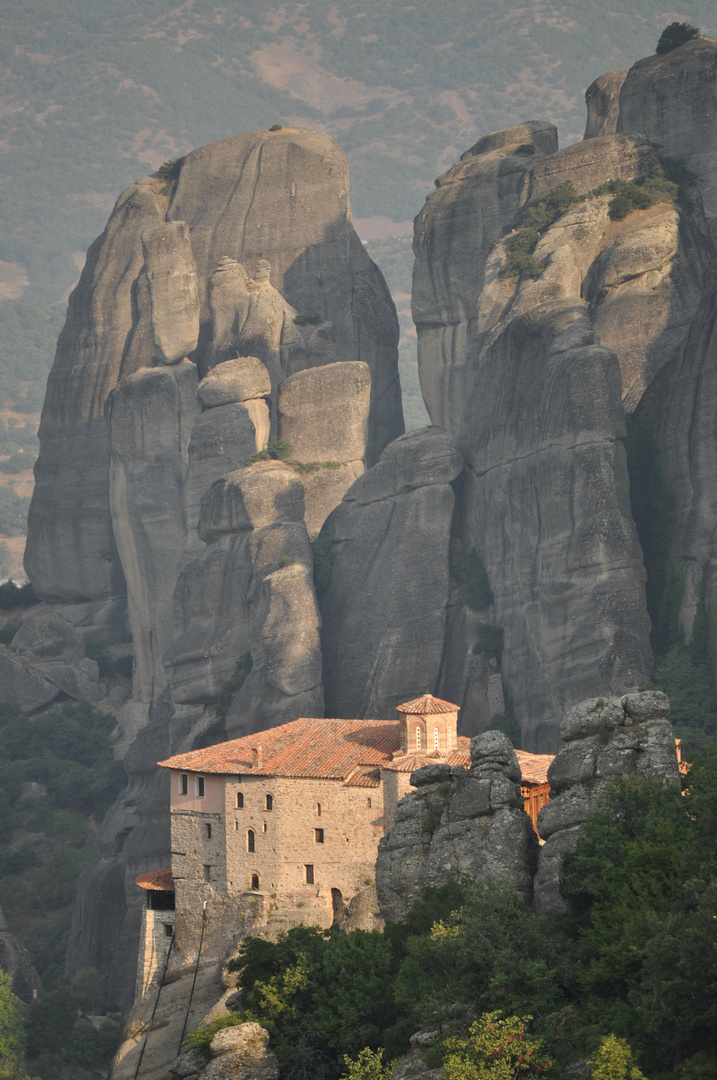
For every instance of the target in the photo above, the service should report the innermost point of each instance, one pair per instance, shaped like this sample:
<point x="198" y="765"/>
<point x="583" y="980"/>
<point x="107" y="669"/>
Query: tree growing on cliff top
<point x="674" y="35"/>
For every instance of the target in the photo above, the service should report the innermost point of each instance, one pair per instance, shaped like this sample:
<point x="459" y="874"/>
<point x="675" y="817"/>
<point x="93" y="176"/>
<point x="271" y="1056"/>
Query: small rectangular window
<point x="168" y="929"/>
<point x="183" y="783"/>
<point x="209" y="831"/>
<point x="207" y="873"/>
<point x="318" y="836"/>
<point x="309" y="873"/>
<point x="200" y="787"/>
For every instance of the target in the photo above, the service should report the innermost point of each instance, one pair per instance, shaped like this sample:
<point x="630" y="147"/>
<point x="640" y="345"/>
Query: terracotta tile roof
<point x="157" y="880"/>
<point x="329" y="749"/>
<point x="534" y="767"/>
<point x="364" y="778"/>
<point x="426" y="704"/>
<point x="407" y="763"/>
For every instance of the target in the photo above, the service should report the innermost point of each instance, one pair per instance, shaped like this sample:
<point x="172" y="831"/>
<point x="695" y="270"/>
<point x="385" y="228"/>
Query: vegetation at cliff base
<point x="626" y="981"/>
<point x="58" y="776"/>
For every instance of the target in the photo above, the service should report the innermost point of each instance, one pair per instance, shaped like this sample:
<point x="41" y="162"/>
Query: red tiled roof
<point x="157" y="880"/>
<point x="426" y="704"/>
<point x="364" y="778"/>
<point x="409" y="762"/>
<point x="534" y="767"/>
<point x="347" y="750"/>
<point x="330" y="749"/>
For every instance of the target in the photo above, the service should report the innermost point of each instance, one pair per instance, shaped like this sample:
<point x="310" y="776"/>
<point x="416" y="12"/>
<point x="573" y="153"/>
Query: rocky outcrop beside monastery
<point x="458" y="823"/>
<point x="606" y="738"/>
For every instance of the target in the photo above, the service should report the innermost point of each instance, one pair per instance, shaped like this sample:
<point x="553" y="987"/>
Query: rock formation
<point x="276" y="196"/>
<point x="606" y="738"/>
<point x="457" y="823"/>
<point x="238" y="1053"/>
<point x="529" y="374"/>
<point x="250" y="590"/>
<point x="232" y="316"/>
<point x="390" y="577"/>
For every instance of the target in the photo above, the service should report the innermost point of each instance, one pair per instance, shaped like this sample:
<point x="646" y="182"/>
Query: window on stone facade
<point x="209" y="831"/>
<point x="207" y="873"/>
<point x="255" y="881"/>
<point x="240" y="800"/>
<point x="318" y="836"/>
<point x="418" y="738"/>
<point x="435" y="738"/>
<point x="318" y="809"/>
<point x="250" y="840"/>
<point x="183" y="784"/>
<point x="309" y="873"/>
<point x="168" y="929"/>
<point x="200" y="787"/>
<point x="368" y="804"/>
<point x="270" y="802"/>
<point x="265" y="827"/>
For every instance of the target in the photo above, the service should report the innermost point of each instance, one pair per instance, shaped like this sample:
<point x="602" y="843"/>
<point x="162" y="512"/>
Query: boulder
<point x="242" y="379"/>
<point x="602" y="98"/>
<point x="390" y="540"/>
<point x="323" y="412"/>
<point x="45" y="636"/>
<point x="241" y="1053"/>
<point x="628" y="736"/>
<point x="539" y="133"/>
<point x="460" y="825"/>
<point x="223" y="439"/>
<point x="23" y="685"/>
<point x="587" y="165"/>
<point x="173" y="290"/>
<point x="670" y="99"/>
<point x="323" y="416"/>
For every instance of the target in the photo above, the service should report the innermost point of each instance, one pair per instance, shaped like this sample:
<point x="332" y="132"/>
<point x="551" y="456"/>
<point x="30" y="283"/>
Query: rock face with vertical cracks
<point x="606" y="738"/>
<point x="276" y="196"/>
<point x="529" y="372"/>
<point x="461" y="824"/>
<point x="384" y="611"/>
<point x="71" y="551"/>
<point x="671" y="99"/>
<point x="291" y="208"/>
<point x="323" y="416"/>
<point x="547" y="492"/>
<point x="250" y="590"/>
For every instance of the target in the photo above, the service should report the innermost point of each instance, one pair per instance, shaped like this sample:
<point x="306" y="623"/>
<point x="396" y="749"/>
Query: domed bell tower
<point x="428" y="726"/>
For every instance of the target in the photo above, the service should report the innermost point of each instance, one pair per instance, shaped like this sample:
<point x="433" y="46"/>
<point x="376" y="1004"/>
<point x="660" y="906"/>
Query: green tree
<point x="495" y="1049"/>
<point x="367" y="1066"/>
<point x="12" y="1032"/>
<point x="674" y="35"/>
<point x="613" y="1061"/>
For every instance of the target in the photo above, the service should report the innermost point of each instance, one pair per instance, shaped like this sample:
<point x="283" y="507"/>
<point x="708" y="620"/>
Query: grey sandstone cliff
<point x="145" y="294"/>
<point x="606" y="738"/>
<point x="462" y="824"/>
<point x="534" y="378"/>
<point x="384" y="610"/>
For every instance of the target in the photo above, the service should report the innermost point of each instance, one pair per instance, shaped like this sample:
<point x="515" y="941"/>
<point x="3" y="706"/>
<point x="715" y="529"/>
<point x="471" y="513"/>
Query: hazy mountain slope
<point x="92" y="95"/>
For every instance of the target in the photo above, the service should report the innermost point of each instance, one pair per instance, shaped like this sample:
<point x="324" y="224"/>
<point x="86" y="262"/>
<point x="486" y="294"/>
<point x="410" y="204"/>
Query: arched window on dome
<point x="418" y="738"/>
<point x="435" y="738"/>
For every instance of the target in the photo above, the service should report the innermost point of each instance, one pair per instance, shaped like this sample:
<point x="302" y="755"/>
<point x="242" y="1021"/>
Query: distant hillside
<point x="94" y="94"/>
